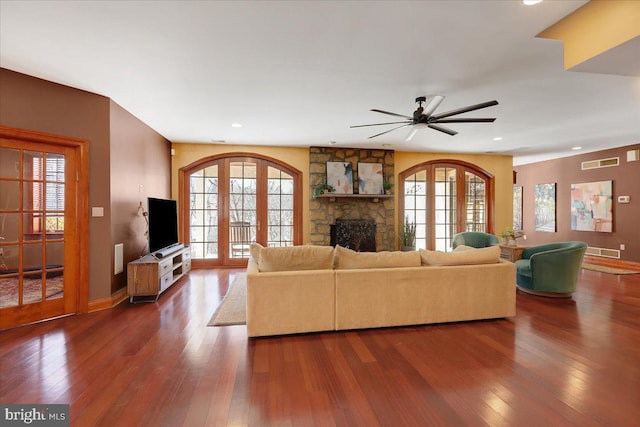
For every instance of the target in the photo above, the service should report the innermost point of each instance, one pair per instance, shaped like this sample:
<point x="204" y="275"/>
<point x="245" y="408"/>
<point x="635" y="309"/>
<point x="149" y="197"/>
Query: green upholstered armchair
<point x="474" y="239"/>
<point x="550" y="270"/>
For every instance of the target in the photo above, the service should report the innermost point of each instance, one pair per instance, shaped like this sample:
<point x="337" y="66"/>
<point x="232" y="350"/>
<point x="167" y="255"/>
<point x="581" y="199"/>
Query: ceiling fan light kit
<point x="424" y="117"/>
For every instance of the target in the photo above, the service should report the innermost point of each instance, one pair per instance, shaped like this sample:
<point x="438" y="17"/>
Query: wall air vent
<point x="603" y="252"/>
<point x="602" y="163"/>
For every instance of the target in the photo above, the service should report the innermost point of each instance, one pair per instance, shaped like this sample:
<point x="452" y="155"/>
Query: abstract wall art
<point x="340" y="176"/>
<point x="592" y="206"/>
<point x="370" y="178"/>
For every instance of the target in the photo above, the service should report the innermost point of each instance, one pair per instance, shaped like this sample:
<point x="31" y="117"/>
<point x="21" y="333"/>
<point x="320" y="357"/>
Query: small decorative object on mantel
<point x="408" y="235"/>
<point x="323" y="188"/>
<point x="387" y="187"/>
<point x="510" y="236"/>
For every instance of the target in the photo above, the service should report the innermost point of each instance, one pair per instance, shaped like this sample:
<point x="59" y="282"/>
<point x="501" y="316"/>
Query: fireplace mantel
<point x="374" y="197"/>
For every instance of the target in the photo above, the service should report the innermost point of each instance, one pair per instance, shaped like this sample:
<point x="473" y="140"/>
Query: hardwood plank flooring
<point x="557" y="362"/>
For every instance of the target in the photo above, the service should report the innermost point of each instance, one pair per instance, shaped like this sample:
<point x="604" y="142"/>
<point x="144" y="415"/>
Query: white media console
<point x="149" y="276"/>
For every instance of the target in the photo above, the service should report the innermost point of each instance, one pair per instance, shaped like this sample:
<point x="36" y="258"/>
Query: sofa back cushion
<point x="346" y="259"/>
<point x="462" y="255"/>
<point x="292" y="258"/>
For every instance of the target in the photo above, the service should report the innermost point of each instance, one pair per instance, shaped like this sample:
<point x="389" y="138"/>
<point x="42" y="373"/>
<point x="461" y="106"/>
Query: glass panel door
<point x="280" y="212"/>
<point x="235" y="201"/>
<point x="203" y="213"/>
<point x="242" y="208"/>
<point x="475" y="199"/>
<point x="32" y="233"/>
<point x="444" y="198"/>
<point x="415" y="205"/>
<point x="445" y="207"/>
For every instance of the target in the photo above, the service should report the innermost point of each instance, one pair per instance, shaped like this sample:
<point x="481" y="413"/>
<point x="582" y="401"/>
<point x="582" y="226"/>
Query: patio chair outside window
<point x="240" y="239"/>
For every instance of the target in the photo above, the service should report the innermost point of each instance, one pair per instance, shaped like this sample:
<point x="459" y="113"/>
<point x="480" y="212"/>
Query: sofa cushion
<point x="254" y="252"/>
<point x="292" y="258"/>
<point x="347" y="259"/>
<point x="465" y="256"/>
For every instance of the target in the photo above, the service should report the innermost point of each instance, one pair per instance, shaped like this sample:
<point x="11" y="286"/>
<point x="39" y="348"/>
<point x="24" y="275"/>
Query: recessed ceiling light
<point x="576" y="148"/>
<point x="497" y="138"/>
<point x="531" y="2"/>
<point x="236" y="125"/>
<point x="332" y="142"/>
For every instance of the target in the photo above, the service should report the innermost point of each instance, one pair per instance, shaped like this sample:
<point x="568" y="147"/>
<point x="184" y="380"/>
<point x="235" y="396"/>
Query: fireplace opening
<point x="356" y="234"/>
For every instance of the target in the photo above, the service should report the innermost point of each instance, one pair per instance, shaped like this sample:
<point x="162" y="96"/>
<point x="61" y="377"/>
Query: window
<point x="236" y="200"/>
<point x="444" y="198"/>
<point x="47" y="191"/>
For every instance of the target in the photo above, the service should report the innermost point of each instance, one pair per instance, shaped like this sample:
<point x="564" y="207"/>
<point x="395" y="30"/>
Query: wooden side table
<point x="511" y="253"/>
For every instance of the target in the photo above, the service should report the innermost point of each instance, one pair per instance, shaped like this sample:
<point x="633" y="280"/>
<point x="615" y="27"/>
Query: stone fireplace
<point x="325" y="212"/>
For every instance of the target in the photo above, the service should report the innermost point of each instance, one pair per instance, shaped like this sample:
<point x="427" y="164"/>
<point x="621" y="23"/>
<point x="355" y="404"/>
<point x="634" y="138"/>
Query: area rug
<point x="31" y="288"/>
<point x="610" y="270"/>
<point x="232" y="310"/>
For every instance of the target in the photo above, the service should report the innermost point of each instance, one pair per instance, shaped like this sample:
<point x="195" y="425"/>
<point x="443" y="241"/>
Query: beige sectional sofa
<point x="317" y="288"/>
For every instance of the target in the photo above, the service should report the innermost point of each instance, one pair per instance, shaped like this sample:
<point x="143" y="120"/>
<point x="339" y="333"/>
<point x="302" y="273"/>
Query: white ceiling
<point x="300" y="73"/>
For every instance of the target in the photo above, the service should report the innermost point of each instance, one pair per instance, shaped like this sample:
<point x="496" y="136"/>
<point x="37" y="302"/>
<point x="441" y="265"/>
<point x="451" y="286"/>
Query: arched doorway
<point x="229" y="201"/>
<point x="445" y="197"/>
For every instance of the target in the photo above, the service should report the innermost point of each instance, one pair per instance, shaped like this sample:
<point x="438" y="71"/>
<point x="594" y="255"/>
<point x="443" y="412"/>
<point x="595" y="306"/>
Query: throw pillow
<point x="348" y="259"/>
<point x="470" y="256"/>
<point x="293" y="258"/>
<point x="254" y="252"/>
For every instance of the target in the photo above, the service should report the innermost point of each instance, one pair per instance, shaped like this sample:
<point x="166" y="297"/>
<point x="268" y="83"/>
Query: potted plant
<point x="408" y="235"/>
<point x="387" y="186"/>
<point x="509" y="236"/>
<point x="323" y="188"/>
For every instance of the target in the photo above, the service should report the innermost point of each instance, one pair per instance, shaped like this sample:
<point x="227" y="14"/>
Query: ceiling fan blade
<point x="392" y="114"/>
<point x="465" y="120"/>
<point x="378" y="124"/>
<point x="443" y="129"/>
<point x="434" y="102"/>
<point x="387" y="131"/>
<point x="465" y="109"/>
<point x="411" y="134"/>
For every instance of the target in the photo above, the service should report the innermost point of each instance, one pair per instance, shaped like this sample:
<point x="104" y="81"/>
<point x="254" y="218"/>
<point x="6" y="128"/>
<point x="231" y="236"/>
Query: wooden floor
<point x="558" y="362"/>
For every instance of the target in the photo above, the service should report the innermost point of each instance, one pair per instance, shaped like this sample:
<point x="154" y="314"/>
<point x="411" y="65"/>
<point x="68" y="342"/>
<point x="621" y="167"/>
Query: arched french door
<point x="229" y="201"/>
<point x="445" y="197"/>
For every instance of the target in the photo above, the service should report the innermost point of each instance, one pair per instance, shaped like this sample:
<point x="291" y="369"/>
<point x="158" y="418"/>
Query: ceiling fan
<point x="424" y="117"/>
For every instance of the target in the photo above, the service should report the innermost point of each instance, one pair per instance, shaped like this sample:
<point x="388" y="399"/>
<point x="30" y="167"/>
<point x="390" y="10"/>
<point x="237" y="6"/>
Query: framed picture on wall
<point x="545" y="207"/>
<point x="592" y="206"/>
<point x="340" y="176"/>
<point x="517" y="207"/>
<point x="370" y="178"/>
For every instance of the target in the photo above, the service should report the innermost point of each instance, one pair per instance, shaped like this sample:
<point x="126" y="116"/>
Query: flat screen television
<point x="163" y="223"/>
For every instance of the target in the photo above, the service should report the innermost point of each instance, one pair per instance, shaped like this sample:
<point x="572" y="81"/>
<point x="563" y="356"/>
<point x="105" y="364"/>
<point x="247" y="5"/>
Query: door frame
<point x="430" y="166"/>
<point x="81" y="242"/>
<point x="261" y="234"/>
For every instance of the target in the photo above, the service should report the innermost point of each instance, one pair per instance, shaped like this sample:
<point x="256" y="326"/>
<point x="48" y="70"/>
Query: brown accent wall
<point x="567" y="171"/>
<point x="31" y="103"/>
<point x="35" y="104"/>
<point x="140" y="168"/>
